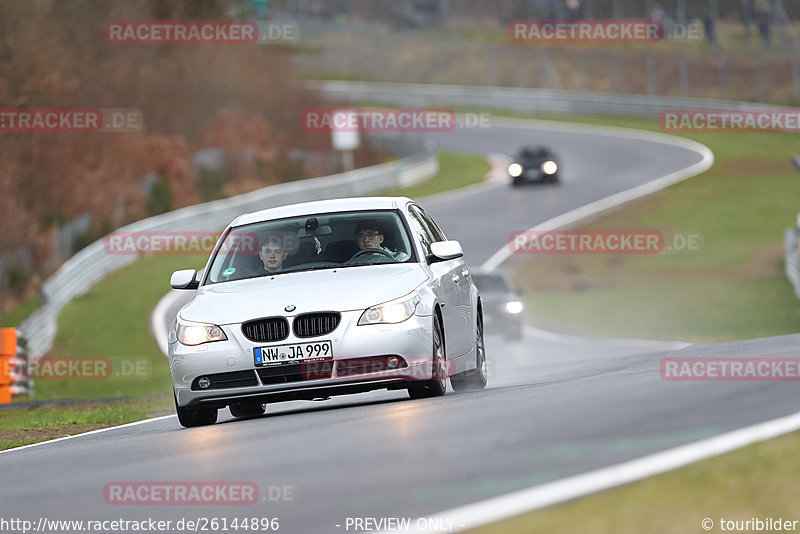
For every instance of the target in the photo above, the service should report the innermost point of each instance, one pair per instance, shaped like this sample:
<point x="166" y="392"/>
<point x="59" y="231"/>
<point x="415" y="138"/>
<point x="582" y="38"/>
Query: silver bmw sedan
<point x="326" y="298"/>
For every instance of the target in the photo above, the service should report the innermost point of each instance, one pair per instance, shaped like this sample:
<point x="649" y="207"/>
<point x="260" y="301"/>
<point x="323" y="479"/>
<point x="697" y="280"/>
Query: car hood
<point x="344" y="289"/>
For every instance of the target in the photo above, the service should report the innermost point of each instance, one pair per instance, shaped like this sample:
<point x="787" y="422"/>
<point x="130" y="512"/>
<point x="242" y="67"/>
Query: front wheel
<point x="437" y="385"/>
<point x="474" y="379"/>
<point x="195" y="416"/>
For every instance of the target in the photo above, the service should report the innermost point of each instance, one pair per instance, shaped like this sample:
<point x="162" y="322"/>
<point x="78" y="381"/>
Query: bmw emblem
<point x="290" y="308"/>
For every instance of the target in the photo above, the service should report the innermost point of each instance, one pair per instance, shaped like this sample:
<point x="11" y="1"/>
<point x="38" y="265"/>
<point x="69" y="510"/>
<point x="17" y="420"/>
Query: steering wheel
<point x="371" y="251"/>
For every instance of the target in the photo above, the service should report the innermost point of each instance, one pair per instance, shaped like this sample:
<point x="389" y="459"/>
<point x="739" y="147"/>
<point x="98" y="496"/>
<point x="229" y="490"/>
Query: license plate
<point x="293" y="352"/>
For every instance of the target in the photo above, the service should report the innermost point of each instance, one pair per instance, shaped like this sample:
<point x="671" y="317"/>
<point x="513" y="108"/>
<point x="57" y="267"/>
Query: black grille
<point x="269" y="329"/>
<point x="316" y="324"/>
<point x="234" y="379"/>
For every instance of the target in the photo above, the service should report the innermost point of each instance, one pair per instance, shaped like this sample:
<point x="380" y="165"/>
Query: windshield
<point x="311" y="242"/>
<point x="533" y="153"/>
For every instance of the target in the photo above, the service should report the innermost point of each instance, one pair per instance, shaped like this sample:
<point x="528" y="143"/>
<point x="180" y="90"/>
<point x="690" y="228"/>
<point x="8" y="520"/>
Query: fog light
<point x="392" y="362"/>
<point x="204" y="382"/>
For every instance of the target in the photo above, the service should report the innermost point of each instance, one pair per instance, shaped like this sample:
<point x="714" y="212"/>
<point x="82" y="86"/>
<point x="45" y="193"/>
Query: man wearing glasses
<point x="370" y="236"/>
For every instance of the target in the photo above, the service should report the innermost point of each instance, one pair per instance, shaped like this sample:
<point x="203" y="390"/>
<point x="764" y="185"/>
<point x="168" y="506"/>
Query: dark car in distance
<point x="534" y="164"/>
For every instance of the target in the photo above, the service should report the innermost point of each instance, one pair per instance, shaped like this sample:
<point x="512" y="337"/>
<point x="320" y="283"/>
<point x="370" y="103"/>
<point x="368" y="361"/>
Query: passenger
<point x="272" y="253"/>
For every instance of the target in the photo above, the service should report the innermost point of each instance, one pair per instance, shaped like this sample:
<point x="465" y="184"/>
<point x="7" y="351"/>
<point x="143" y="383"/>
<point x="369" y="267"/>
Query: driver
<point x="370" y="236"/>
<point x="272" y="253"/>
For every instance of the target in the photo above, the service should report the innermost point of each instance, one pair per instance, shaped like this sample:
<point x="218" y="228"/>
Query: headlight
<point x="198" y="333"/>
<point x="514" y="306"/>
<point x="549" y="167"/>
<point x="395" y="311"/>
<point x="515" y="169"/>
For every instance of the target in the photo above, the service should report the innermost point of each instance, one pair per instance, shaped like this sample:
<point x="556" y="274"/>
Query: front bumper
<point x="410" y="340"/>
<point x="533" y="175"/>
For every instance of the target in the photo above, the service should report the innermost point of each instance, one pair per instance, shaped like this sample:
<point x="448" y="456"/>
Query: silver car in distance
<point x="326" y="298"/>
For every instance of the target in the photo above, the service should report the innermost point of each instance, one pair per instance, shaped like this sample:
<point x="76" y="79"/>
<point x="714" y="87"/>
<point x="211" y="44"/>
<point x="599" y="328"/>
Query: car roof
<point x="322" y="206"/>
<point x="535" y="151"/>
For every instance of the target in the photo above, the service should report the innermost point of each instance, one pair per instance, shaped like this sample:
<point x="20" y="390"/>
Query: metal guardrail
<point x="791" y="243"/>
<point x="791" y="247"/>
<point x="78" y="274"/>
<point x="518" y="99"/>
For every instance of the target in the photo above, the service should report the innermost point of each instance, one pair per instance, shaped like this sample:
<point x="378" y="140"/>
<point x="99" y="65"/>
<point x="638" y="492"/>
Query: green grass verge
<point x="734" y="288"/>
<point x="756" y="481"/>
<point x="455" y="170"/>
<point x="25" y="426"/>
<point x="112" y="320"/>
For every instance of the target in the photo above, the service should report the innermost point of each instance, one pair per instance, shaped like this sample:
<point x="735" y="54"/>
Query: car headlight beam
<point x="392" y="312"/>
<point x="192" y="334"/>
<point x="515" y="170"/>
<point x="549" y="167"/>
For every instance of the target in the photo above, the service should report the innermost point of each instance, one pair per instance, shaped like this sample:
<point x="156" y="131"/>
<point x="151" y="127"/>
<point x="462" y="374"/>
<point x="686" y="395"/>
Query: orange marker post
<point x="8" y="348"/>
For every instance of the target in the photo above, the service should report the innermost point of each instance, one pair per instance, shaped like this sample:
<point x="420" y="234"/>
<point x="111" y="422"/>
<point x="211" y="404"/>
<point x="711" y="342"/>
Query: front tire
<point x="195" y="416"/>
<point x="437" y="385"/>
<point x="474" y="379"/>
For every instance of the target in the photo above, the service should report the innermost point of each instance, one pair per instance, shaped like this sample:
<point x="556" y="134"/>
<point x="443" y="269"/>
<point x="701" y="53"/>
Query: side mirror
<point x="185" y="279"/>
<point x="445" y="250"/>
